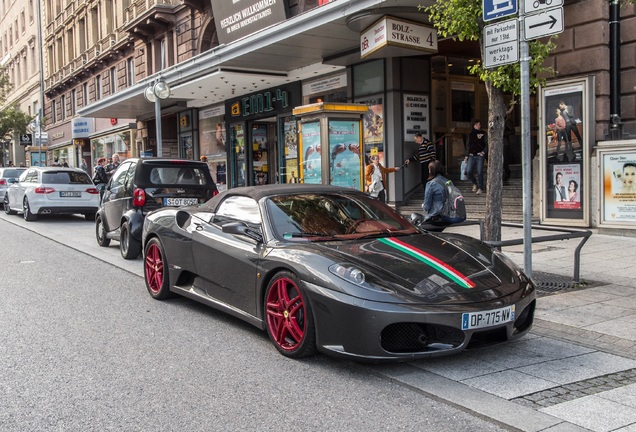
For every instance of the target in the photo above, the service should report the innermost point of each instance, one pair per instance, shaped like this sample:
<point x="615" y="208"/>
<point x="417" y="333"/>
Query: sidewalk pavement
<point x="601" y="309"/>
<point x="576" y="370"/>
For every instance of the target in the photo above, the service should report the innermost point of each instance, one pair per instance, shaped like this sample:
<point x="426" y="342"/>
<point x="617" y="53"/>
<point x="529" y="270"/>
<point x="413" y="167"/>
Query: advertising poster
<point x="345" y="167"/>
<point x="619" y="187"/>
<point x="38" y="158"/>
<point x="373" y="129"/>
<point x="259" y="154"/>
<point x="291" y="139"/>
<point x="290" y="151"/>
<point x="566" y="190"/>
<point x="416" y="117"/>
<point x="311" y="163"/>
<point x="564" y="123"/>
<point x="563" y="143"/>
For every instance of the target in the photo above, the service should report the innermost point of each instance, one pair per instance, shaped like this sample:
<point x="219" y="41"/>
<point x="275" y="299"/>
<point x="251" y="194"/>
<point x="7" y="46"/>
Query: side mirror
<point x="240" y="228"/>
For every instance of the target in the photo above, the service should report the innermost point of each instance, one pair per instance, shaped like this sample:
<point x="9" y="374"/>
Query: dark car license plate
<point x="73" y="194"/>
<point x="177" y="202"/>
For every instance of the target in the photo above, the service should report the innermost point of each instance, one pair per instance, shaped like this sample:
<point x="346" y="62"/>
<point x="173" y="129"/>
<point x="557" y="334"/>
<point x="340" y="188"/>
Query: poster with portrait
<point x="564" y="130"/>
<point x="618" y="186"/>
<point x="566" y="189"/>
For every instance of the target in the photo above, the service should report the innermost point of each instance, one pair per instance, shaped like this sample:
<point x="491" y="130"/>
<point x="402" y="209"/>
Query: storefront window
<point x="289" y="170"/>
<point x="106" y="146"/>
<point x="213" y="147"/>
<point x="259" y="154"/>
<point x="368" y="78"/>
<point x="462" y="102"/>
<point x="63" y="156"/>
<point x="237" y="141"/>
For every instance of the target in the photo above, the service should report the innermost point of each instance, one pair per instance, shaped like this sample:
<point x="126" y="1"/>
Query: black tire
<point x="130" y="247"/>
<point x="7" y="209"/>
<point x="156" y="270"/>
<point x="28" y="216"/>
<point x="100" y="232"/>
<point x="89" y="217"/>
<point x="288" y="317"/>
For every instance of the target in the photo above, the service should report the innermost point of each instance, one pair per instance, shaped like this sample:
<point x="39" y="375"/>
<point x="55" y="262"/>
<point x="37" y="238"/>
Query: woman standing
<point x="375" y="178"/>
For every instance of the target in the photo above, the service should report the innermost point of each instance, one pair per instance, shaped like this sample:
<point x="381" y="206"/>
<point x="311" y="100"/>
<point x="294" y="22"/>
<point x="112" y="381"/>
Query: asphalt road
<point x="84" y="348"/>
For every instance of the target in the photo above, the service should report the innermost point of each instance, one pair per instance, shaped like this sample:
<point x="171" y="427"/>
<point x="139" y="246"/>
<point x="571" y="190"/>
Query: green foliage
<point x="508" y="77"/>
<point x="12" y="120"/>
<point x="5" y="85"/>
<point x="462" y="20"/>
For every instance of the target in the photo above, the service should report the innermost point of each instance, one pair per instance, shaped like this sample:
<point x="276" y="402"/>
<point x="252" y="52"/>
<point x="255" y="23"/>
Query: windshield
<point x="313" y="217"/>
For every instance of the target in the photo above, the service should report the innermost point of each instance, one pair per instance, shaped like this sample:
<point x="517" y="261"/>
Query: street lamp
<point x="154" y="93"/>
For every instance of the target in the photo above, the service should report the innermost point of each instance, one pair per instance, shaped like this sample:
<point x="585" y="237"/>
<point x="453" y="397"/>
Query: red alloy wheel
<point x="286" y="314"/>
<point x="154" y="268"/>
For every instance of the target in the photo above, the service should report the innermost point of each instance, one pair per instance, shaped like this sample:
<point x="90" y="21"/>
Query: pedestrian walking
<point x="476" y="151"/>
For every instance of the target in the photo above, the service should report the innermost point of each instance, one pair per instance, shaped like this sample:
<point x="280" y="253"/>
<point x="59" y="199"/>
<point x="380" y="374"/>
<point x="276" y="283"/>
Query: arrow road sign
<point x="543" y="24"/>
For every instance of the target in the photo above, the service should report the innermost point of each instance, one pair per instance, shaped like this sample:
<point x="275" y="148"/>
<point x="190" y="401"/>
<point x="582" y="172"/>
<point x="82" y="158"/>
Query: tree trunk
<point x="494" y="180"/>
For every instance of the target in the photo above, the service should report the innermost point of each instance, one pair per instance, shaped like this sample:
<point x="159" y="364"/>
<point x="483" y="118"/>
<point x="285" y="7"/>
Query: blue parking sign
<point x="494" y="9"/>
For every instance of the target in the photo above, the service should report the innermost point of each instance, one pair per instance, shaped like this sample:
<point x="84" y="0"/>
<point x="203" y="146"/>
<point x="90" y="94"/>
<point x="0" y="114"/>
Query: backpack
<point x="454" y="210"/>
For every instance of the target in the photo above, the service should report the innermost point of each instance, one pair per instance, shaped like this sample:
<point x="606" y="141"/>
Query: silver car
<point x="9" y="175"/>
<point x="52" y="190"/>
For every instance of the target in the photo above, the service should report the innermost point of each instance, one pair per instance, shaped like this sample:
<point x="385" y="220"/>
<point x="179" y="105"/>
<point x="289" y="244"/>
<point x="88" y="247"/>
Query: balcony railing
<point x="139" y="7"/>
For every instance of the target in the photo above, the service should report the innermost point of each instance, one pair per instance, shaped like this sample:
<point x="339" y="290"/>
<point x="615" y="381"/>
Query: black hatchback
<point x="140" y="186"/>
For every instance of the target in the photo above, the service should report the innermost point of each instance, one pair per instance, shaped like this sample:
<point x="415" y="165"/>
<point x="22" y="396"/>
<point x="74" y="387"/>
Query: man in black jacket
<point x="476" y="150"/>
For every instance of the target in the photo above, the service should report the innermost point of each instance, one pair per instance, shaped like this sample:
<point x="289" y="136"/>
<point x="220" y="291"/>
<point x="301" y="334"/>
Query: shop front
<point x="256" y="121"/>
<point x="105" y="143"/>
<point x="212" y="139"/>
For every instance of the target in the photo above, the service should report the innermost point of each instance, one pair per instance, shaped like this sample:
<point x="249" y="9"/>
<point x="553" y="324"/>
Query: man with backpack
<point x="443" y="202"/>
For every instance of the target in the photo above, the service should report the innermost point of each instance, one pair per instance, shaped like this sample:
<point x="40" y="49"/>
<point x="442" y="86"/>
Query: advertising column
<point x="618" y="184"/>
<point x="564" y="135"/>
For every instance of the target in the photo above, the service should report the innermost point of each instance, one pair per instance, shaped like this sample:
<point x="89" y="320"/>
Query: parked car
<point x="52" y="190"/>
<point x="140" y="186"/>
<point x="8" y="175"/>
<point x="330" y="269"/>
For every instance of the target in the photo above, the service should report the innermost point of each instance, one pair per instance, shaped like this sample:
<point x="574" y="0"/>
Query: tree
<point x="462" y="20"/>
<point x="12" y="120"/>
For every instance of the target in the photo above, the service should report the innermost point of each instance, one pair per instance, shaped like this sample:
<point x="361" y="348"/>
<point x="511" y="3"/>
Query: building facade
<point x="20" y="51"/>
<point x="237" y="72"/>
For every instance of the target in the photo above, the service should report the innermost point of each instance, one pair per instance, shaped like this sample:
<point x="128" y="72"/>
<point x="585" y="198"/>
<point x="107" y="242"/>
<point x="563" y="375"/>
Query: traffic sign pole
<point x="526" y="155"/>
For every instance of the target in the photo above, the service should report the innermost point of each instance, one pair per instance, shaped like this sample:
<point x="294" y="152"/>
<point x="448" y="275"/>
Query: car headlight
<point x="348" y="273"/>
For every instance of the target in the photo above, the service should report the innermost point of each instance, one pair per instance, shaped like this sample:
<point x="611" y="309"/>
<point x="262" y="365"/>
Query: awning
<point x="290" y="51"/>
